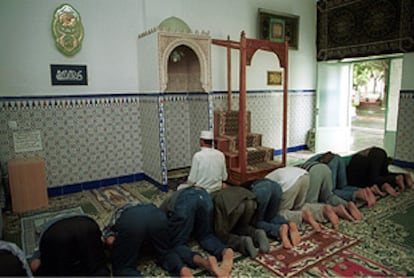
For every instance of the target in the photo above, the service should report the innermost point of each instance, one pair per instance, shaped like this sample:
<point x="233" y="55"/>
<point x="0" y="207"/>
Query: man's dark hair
<point x="208" y="142"/>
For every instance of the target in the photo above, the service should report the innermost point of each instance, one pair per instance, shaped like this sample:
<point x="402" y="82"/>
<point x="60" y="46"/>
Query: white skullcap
<point x="207" y="135"/>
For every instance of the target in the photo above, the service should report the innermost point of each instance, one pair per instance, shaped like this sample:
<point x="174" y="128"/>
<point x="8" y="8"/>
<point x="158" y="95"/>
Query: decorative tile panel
<point x="199" y="119"/>
<point x="89" y="139"/>
<point x="177" y="124"/>
<point x="150" y="126"/>
<point x="83" y="139"/>
<point x="405" y="131"/>
<point x="301" y="117"/>
<point x="267" y="117"/>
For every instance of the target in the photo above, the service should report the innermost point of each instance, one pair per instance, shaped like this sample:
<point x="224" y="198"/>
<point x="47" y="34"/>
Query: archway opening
<point x="183" y="70"/>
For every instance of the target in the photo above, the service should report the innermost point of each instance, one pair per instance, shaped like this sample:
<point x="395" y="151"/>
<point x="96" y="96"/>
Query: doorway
<point x="369" y="103"/>
<point x="362" y="95"/>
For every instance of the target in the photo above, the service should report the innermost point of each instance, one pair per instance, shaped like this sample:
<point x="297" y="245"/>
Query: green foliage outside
<point x="370" y="81"/>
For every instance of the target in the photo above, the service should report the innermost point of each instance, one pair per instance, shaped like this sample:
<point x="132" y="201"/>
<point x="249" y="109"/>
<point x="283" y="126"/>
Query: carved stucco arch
<point x="201" y="48"/>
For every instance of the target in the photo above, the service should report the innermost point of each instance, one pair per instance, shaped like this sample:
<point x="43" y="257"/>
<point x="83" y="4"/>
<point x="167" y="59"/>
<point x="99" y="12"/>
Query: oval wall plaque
<point x="67" y="30"/>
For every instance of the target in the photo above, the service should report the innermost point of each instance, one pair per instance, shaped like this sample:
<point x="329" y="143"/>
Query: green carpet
<point x="386" y="233"/>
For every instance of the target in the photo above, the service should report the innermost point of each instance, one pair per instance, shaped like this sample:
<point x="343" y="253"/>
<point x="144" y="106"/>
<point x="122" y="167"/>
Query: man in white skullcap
<point x="208" y="173"/>
<point x="208" y="168"/>
<point x="190" y="208"/>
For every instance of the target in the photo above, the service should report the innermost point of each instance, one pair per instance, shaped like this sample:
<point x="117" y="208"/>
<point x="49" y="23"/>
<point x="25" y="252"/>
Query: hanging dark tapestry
<point x="350" y="28"/>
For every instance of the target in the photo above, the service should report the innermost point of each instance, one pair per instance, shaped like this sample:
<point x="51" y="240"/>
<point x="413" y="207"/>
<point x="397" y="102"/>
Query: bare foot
<point x="330" y="214"/>
<point x="343" y="213"/>
<point x="212" y="266"/>
<point x="294" y="233"/>
<point x="307" y="217"/>
<point x="375" y="189"/>
<point x="409" y="180"/>
<point x="400" y="182"/>
<point x="227" y="262"/>
<point x="186" y="272"/>
<point x="283" y="232"/>
<point x="364" y="194"/>
<point x="353" y="209"/>
<point x="389" y="189"/>
<point x="371" y="196"/>
<point x="209" y="264"/>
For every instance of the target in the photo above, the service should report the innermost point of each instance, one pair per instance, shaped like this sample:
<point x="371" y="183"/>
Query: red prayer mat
<point x="347" y="263"/>
<point x="314" y="248"/>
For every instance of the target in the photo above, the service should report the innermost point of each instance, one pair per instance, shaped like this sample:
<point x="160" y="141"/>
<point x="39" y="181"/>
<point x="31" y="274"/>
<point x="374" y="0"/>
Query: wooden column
<point x="285" y="103"/>
<point x="242" y="108"/>
<point x="228" y="75"/>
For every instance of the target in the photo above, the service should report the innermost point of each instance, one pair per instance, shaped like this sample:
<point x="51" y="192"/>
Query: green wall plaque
<point x="67" y="30"/>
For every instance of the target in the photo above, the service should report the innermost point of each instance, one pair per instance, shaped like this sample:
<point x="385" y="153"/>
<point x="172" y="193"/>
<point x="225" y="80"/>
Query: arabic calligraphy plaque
<point x="69" y="75"/>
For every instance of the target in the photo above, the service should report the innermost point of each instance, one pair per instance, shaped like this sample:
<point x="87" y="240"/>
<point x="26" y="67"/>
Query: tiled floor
<point x="367" y="129"/>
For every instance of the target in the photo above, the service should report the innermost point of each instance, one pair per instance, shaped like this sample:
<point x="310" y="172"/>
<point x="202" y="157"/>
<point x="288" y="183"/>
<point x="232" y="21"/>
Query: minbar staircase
<point x="259" y="159"/>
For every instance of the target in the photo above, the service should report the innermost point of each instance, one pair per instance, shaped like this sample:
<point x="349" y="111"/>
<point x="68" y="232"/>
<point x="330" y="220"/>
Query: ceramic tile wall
<point x="87" y="139"/>
<point x="151" y="119"/>
<point x="266" y="116"/>
<point x="84" y="139"/>
<point x="301" y="117"/>
<point x="267" y="113"/>
<point x="177" y="125"/>
<point x="220" y="102"/>
<point x="185" y="116"/>
<point x="405" y="134"/>
<point x="199" y="119"/>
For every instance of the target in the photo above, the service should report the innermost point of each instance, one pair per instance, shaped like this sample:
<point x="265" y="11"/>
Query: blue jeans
<point x="193" y="216"/>
<point x="137" y="225"/>
<point x="339" y="178"/>
<point x="268" y="197"/>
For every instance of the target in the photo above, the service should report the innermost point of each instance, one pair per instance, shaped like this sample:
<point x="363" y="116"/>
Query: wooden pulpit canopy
<point x="247" y="48"/>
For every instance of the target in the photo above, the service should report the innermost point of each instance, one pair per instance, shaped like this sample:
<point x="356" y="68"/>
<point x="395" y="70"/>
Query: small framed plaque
<point x="69" y="75"/>
<point x="274" y="78"/>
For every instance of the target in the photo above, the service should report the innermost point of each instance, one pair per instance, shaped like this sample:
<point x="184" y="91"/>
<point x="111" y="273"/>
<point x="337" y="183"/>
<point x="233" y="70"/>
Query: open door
<point x="333" y="125"/>
<point x="393" y="96"/>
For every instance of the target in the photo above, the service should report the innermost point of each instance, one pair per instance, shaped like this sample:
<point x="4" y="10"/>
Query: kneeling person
<point x="70" y="246"/>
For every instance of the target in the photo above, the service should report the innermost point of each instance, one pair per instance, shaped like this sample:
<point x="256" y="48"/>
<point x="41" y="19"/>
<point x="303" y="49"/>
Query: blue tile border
<point x="310" y="91"/>
<point x="162" y="187"/>
<point x="142" y="94"/>
<point x="72" y="188"/>
<point x="407" y="91"/>
<point x="77" y="187"/>
<point x="291" y="149"/>
<point x="126" y="179"/>
<point x="403" y="164"/>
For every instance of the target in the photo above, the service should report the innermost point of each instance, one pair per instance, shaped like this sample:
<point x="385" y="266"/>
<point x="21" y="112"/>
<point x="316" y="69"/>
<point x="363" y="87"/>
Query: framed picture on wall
<point x="291" y="26"/>
<point x="274" y="78"/>
<point x="277" y="30"/>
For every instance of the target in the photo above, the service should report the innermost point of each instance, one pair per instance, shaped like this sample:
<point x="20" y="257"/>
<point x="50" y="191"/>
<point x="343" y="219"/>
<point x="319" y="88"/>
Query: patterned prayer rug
<point x="314" y="247"/>
<point x="346" y="263"/>
<point x="387" y="232"/>
<point x="32" y="226"/>
<point x="112" y="197"/>
<point x="106" y="199"/>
